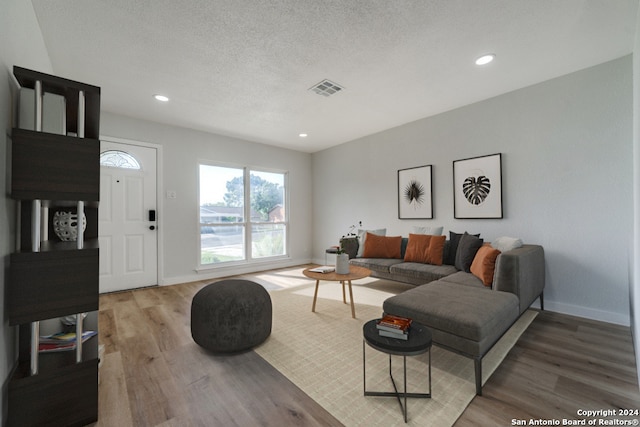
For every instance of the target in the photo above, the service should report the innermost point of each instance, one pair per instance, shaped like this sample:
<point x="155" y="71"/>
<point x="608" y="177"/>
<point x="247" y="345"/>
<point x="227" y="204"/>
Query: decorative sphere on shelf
<point x="65" y="225"/>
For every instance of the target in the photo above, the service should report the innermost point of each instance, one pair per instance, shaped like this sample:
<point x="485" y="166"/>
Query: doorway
<point x="127" y="216"/>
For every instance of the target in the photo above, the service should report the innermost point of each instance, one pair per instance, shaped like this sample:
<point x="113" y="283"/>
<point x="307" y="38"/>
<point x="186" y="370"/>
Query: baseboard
<point x="216" y="273"/>
<point x="588" y="313"/>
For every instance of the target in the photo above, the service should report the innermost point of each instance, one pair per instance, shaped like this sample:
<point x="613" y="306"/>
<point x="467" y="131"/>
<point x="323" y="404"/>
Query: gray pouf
<point x="231" y="315"/>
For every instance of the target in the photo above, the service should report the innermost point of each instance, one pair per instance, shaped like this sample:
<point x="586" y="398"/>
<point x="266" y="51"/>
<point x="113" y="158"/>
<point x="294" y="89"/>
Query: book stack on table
<point x="394" y="327"/>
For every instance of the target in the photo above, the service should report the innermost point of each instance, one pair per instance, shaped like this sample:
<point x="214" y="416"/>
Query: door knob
<point x="152" y="227"/>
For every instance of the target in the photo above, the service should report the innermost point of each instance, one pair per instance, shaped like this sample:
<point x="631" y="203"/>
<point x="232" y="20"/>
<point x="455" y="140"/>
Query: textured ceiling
<point x="244" y="68"/>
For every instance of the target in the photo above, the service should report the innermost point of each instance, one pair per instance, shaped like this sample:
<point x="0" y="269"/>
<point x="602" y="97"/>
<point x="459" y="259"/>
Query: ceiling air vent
<point x="326" y="88"/>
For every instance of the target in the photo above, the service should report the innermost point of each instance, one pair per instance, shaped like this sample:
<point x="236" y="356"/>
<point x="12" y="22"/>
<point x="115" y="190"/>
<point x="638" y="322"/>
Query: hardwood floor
<point x="561" y="364"/>
<point x="153" y="373"/>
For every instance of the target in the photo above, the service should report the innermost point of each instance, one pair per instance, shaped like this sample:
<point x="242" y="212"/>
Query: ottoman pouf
<point x="231" y="315"/>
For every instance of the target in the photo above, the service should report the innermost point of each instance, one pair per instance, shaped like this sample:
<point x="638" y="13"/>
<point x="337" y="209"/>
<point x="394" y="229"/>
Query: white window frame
<point x="247" y="223"/>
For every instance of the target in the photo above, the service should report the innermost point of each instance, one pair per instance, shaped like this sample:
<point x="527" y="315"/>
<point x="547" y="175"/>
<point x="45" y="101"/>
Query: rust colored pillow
<point x="425" y="248"/>
<point x="484" y="264"/>
<point x="382" y="246"/>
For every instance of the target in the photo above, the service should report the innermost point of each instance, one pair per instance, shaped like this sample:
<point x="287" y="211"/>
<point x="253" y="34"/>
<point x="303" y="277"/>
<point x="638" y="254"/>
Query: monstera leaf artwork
<point x="478" y="187"/>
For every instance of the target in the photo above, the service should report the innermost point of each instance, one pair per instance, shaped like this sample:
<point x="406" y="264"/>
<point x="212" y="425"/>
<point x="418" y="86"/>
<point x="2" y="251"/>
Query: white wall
<point x="20" y="44"/>
<point x="182" y="149"/>
<point x="566" y="149"/>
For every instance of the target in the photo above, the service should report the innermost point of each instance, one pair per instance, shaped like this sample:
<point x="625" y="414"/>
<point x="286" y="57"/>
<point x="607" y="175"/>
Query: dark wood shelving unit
<point x="52" y="276"/>
<point x="52" y="284"/>
<point x="47" y="166"/>
<point x="70" y="90"/>
<point x="53" y="397"/>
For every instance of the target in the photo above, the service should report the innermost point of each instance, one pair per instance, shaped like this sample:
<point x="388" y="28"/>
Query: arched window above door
<point x="119" y="159"/>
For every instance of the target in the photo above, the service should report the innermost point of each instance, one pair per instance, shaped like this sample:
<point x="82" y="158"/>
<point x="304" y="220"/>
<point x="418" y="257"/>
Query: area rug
<point x="322" y="353"/>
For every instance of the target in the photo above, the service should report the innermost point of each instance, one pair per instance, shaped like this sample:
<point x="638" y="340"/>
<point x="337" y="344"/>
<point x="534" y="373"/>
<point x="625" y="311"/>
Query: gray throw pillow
<point x="467" y="249"/>
<point x="454" y="239"/>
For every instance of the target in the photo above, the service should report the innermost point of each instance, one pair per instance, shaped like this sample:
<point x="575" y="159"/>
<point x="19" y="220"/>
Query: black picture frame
<point x="477" y="187"/>
<point x="415" y="193"/>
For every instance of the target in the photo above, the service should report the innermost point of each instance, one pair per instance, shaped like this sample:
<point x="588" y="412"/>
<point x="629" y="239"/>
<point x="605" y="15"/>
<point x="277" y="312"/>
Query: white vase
<point x="342" y="264"/>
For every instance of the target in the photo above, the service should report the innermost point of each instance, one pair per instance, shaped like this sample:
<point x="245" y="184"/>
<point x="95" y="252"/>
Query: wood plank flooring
<point x="153" y="373"/>
<point x="559" y="365"/>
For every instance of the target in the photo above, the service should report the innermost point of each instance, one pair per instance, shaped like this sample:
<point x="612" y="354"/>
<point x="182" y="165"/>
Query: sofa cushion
<point x="454" y="239"/>
<point x="382" y="246"/>
<point x="376" y="264"/>
<point x="403" y="247"/>
<point x="462" y="278"/>
<point x="475" y="313"/>
<point x="350" y="245"/>
<point x="484" y="264"/>
<point x="422" y="272"/>
<point x="467" y="249"/>
<point x="425" y="248"/>
<point x="362" y="236"/>
<point x="505" y="244"/>
<point x="434" y="231"/>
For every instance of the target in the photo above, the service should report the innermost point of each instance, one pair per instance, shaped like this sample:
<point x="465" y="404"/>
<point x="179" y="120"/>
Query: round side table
<point x="418" y="342"/>
<point x="355" y="273"/>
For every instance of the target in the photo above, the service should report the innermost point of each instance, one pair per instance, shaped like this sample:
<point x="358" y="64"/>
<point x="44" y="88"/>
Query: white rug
<point x="321" y="353"/>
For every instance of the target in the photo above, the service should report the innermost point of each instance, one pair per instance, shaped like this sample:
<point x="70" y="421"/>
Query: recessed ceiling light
<point x="485" y="59"/>
<point x="161" y="98"/>
<point x="303" y="135"/>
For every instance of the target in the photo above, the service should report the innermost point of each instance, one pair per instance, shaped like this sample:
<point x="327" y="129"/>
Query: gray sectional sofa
<point x="464" y="315"/>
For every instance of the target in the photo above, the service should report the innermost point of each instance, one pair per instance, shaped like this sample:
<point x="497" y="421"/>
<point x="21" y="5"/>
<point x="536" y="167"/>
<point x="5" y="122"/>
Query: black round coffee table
<point x="418" y="342"/>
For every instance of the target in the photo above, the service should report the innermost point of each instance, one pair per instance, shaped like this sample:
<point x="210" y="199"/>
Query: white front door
<point x="127" y="228"/>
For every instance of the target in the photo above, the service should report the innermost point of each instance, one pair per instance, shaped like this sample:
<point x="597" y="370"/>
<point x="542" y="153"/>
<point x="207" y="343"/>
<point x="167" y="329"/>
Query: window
<point x="268" y="219"/>
<point x="242" y="214"/>
<point x="119" y="159"/>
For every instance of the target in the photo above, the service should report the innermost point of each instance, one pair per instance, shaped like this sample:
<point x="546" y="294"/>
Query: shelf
<point x="44" y="285"/>
<point x="54" y="204"/>
<point x="52" y="241"/>
<point x="50" y="362"/>
<point x="69" y="89"/>
<point x="51" y="246"/>
<point x="58" y="279"/>
<point x="67" y="396"/>
<point x="47" y="166"/>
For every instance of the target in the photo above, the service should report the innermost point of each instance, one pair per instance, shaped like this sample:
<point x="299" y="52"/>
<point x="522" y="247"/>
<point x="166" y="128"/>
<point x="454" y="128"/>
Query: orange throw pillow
<point x="425" y="248"/>
<point x="484" y="264"/>
<point x="382" y="246"/>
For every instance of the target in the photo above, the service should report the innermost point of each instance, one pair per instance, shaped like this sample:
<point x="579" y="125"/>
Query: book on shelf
<point x="323" y="269"/>
<point x="397" y="335"/>
<point x="62" y="341"/>
<point x="391" y="323"/>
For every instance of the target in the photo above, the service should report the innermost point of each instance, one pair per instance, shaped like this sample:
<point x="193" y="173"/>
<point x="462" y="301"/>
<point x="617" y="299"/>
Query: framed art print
<point x="477" y="187"/>
<point x="415" y="193"/>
